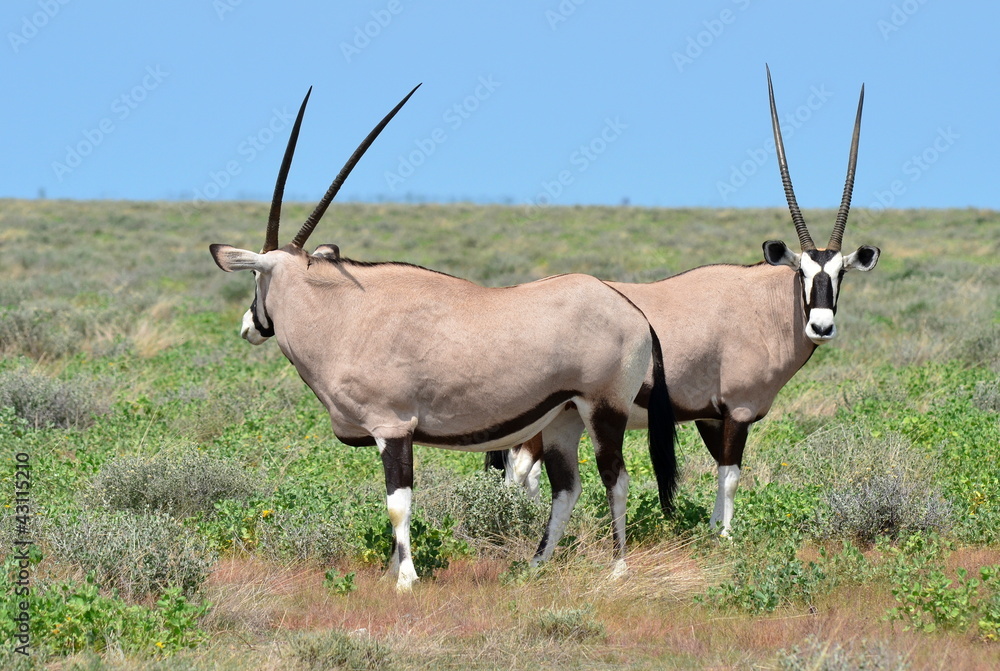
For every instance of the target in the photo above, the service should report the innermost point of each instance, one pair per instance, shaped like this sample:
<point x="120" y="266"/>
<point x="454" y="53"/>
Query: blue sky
<point x="557" y="101"/>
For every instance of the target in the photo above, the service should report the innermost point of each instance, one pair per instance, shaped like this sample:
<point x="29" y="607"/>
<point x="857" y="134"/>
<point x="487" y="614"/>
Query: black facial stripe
<point x="822" y="291"/>
<point x="267" y="332"/>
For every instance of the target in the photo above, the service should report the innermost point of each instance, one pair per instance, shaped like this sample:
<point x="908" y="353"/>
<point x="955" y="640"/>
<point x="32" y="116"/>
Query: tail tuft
<point x="662" y="432"/>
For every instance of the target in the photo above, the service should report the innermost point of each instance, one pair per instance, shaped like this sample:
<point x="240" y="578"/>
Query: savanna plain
<point x="191" y="509"/>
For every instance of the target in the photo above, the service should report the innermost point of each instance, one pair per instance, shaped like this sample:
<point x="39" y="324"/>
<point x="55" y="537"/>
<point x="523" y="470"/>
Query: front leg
<point x="726" y="439"/>
<point x="397" y="462"/>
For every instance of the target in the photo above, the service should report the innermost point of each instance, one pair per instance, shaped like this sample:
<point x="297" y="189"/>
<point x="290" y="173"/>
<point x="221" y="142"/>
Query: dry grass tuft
<point x="247" y="593"/>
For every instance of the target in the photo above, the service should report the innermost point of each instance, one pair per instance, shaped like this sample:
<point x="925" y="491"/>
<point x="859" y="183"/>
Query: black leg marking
<point x="607" y="427"/>
<point x="725" y="439"/>
<point x="397" y="463"/>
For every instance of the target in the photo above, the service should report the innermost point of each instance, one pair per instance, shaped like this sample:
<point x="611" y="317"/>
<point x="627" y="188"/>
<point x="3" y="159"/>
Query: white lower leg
<point x="531" y="485"/>
<point x="519" y="463"/>
<point x="729" y="478"/>
<point x="562" y="506"/>
<point x="401" y="564"/>
<point x="618" y="499"/>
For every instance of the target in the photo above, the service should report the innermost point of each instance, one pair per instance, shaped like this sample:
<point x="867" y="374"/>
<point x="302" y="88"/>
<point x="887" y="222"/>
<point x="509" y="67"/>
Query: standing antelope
<point x="736" y="334"/>
<point x="401" y="354"/>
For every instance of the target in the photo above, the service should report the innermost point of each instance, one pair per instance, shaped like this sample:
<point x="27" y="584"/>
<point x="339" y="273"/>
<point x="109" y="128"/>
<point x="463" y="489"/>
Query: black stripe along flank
<point x="499" y="430"/>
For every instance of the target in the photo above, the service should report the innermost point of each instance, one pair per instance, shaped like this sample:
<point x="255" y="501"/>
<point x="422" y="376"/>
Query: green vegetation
<point x="192" y="509"/>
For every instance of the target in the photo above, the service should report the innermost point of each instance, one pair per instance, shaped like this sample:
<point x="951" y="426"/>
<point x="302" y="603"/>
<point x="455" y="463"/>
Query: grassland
<point x="125" y="381"/>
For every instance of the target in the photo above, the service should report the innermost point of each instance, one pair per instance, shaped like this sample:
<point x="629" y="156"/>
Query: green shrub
<point x="488" y="509"/>
<point x="816" y="655"/>
<point x="881" y="505"/>
<point x="72" y="616"/>
<point x="181" y="483"/>
<point x="323" y="650"/>
<point x="929" y="600"/>
<point x="432" y="547"/>
<point x="235" y="525"/>
<point x="301" y="534"/>
<point x="767" y="576"/>
<point x="43" y="401"/>
<point x="135" y="553"/>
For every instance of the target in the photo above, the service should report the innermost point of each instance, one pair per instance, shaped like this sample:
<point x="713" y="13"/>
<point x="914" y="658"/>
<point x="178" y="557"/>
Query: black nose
<point x="823" y="331"/>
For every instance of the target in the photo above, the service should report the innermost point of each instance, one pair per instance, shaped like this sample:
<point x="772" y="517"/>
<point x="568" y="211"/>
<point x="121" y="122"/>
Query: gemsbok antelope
<point x="401" y="354"/>
<point x="736" y="334"/>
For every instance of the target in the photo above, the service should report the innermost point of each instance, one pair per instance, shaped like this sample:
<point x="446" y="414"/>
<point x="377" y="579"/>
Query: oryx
<point x="401" y="354"/>
<point x="737" y="334"/>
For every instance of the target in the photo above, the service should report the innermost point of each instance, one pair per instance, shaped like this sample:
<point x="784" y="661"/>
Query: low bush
<point x="882" y="505"/>
<point x="567" y="624"/>
<point x="487" y="509"/>
<point x="322" y="650"/>
<point x="135" y="553"/>
<point x="816" y="655"/>
<point x="181" y="483"/>
<point x="301" y="535"/>
<point x="43" y="401"/>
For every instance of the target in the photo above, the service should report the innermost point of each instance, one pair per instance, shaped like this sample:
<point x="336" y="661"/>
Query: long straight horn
<point x="837" y="237"/>
<point x="317" y="214"/>
<point x="805" y="240"/>
<point x="271" y="237"/>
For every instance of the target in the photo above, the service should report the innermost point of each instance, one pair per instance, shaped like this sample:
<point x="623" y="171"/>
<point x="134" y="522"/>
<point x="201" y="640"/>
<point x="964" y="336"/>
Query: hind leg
<point x="607" y="429"/>
<point x="561" y="441"/>
<point x="526" y="462"/>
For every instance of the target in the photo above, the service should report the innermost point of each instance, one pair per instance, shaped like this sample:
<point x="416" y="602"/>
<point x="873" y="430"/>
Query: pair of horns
<point x="271" y="236"/>
<point x="837" y="237"/>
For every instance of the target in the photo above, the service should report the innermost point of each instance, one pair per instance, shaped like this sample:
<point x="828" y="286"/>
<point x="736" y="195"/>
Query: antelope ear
<point x="230" y="258"/>
<point x="331" y="252"/>
<point x="864" y="258"/>
<point x="777" y="253"/>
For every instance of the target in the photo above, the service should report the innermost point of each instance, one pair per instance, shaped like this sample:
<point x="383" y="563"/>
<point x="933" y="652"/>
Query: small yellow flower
<point x="784" y="463"/>
<point x="160" y="644"/>
<point x="266" y="513"/>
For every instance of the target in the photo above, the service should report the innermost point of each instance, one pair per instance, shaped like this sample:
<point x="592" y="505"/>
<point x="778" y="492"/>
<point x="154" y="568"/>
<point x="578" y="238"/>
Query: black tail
<point x="662" y="432"/>
<point x="497" y="459"/>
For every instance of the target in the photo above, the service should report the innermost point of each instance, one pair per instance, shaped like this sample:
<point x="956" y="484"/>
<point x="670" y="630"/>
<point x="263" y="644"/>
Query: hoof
<point x="619" y="570"/>
<point x="404" y="584"/>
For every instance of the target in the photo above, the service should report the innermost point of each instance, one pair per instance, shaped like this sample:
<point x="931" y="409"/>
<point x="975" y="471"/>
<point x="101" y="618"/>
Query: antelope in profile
<point x="736" y="334"/>
<point x="401" y="354"/>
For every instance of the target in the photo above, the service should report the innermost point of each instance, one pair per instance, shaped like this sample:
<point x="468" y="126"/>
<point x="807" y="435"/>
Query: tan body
<point x="440" y="353"/>
<point x="734" y="337"/>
